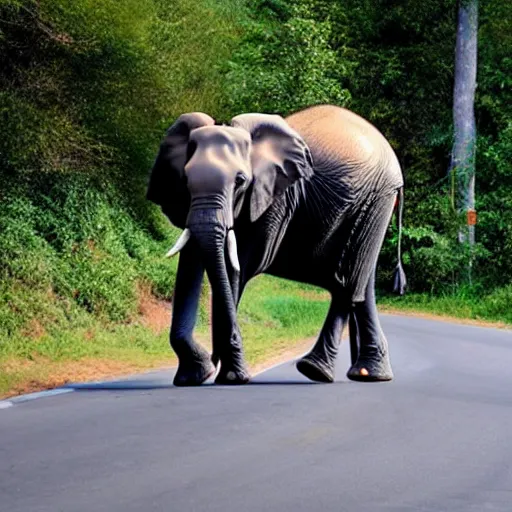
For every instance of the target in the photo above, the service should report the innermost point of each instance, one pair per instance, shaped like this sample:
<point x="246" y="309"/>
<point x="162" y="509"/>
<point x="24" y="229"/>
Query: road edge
<point x="284" y="356"/>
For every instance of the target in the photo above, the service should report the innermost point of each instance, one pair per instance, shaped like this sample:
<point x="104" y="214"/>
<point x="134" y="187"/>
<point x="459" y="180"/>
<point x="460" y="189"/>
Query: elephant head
<point x="204" y="174"/>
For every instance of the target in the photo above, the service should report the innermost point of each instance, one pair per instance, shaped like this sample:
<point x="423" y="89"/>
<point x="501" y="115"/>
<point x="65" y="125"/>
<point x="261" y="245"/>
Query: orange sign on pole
<point x="471" y="217"/>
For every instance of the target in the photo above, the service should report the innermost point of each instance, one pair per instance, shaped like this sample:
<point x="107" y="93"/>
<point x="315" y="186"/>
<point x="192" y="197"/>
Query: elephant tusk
<point x="232" y="250"/>
<point x="180" y="243"/>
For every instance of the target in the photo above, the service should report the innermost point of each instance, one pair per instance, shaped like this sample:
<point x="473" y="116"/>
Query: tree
<point x="464" y="144"/>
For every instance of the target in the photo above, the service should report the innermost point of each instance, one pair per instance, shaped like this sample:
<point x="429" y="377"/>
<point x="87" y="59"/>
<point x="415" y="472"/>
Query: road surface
<point x="438" y="438"/>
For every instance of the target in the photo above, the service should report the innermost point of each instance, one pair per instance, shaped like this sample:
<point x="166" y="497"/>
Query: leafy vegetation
<point x="87" y="88"/>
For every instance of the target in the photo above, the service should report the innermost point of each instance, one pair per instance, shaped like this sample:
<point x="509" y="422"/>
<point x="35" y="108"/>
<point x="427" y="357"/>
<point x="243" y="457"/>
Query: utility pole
<point x="464" y="145"/>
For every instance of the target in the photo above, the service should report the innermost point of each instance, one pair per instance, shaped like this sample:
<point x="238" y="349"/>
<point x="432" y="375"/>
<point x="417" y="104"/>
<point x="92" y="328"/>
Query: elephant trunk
<point x="207" y="212"/>
<point x="213" y="240"/>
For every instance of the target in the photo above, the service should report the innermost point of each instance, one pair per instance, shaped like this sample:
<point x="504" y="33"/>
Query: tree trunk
<point x="464" y="145"/>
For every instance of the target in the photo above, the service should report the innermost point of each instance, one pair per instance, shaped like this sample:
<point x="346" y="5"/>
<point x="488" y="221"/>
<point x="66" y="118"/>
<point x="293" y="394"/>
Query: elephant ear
<point x="279" y="158"/>
<point x="167" y="186"/>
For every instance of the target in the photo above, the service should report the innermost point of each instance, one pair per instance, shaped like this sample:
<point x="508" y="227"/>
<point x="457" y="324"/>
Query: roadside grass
<point x="30" y="362"/>
<point x="465" y="304"/>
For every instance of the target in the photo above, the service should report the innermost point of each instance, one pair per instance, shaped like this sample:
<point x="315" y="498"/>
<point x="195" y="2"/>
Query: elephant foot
<point x="195" y="372"/>
<point x="315" y="369"/>
<point x="371" y="369"/>
<point x="232" y="375"/>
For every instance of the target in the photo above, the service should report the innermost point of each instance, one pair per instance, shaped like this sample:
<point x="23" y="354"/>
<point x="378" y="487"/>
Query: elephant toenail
<point x="363" y="372"/>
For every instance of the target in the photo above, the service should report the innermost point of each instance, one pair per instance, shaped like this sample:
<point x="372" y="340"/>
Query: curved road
<point x="437" y="438"/>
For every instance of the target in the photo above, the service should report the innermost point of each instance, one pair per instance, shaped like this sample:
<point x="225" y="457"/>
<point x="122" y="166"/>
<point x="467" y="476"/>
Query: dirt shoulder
<point x="42" y="374"/>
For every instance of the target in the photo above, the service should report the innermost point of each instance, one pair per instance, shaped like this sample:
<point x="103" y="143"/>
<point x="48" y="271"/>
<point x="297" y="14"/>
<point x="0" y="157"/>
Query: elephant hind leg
<point x="316" y="369"/>
<point x="319" y="364"/>
<point x="372" y="361"/>
<point x="370" y="357"/>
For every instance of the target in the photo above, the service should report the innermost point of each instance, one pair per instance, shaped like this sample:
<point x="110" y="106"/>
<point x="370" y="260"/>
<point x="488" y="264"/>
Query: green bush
<point x="79" y="243"/>
<point x="497" y="305"/>
<point x="284" y="62"/>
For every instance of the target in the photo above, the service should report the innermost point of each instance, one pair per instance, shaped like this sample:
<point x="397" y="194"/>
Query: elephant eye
<point x="240" y="180"/>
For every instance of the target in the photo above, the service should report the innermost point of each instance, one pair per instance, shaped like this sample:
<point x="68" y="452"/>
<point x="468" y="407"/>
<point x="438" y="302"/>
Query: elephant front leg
<point x="226" y="337"/>
<point x="371" y="362"/>
<point x="195" y="365"/>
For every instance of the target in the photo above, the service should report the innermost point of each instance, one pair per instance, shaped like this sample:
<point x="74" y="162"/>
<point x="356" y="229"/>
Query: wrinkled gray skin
<point x="309" y="199"/>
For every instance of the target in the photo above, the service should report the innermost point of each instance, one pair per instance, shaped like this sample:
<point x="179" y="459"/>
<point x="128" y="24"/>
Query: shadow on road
<point x="139" y="385"/>
<point x="276" y="382"/>
<point x="121" y="385"/>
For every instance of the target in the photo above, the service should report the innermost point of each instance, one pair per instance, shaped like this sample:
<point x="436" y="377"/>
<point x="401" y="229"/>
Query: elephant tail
<point x="399" y="279"/>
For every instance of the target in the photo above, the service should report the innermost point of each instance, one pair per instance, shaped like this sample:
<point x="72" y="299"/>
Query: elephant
<point x="307" y="198"/>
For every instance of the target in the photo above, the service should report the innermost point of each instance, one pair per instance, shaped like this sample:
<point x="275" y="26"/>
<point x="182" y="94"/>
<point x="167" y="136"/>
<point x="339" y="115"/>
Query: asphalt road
<point x="437" y="438"/>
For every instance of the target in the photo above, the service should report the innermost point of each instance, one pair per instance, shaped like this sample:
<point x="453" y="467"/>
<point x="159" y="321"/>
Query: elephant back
<point x="339" y="137"/>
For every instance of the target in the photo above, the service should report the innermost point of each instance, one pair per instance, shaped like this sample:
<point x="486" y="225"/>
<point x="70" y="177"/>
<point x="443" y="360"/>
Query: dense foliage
<point x="88" y="86"/>
<point x="393" y="63"/>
